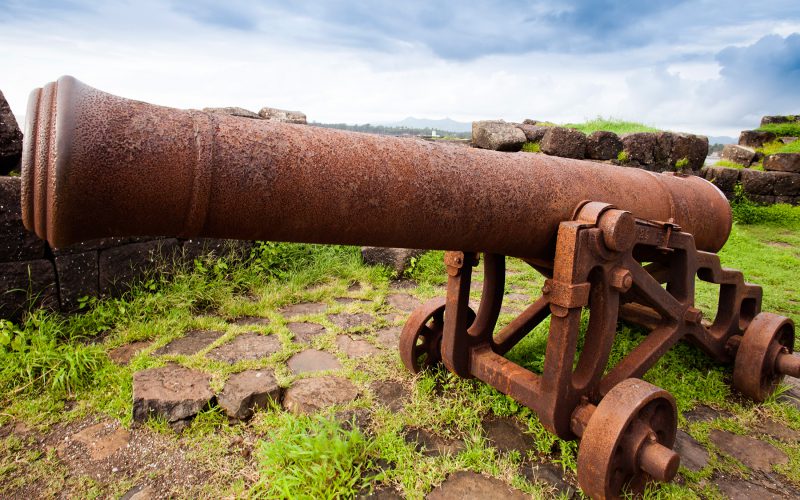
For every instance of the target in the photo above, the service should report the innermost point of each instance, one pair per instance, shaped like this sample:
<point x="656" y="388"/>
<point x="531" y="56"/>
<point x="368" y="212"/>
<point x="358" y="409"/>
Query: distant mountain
<point x="445" y="124"/>
<point x="722" y="139"/>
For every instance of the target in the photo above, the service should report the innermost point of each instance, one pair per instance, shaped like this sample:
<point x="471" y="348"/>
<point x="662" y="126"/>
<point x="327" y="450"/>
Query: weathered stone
<point x="249" y="346"/>
<point x="302" y="309"/>
<point x="724" y="178"/>
<point x="533" y="133"/>
<point x="16" y="242"/>
<point x="247" y="390"/>
<point x="603" y="145"/>
<point x="102" y="440"/>
<point x="77" y="277"/>
<point x="350" y="300"/>
<point x="738" y="489"/>
<point x="381" y="493"/>
<point x="355" y="348"/>
<point x="783" y="162"/>
<point x="234" y="111"/>
<point x="640" y="147"/>
<point x="778" y="431"/>
<point x="693" y="456"/>
<point x="346" y="321"/>
<point x="703" y="413"/>
<point x="402" y="301"/>
<point x="123" y="354"/>
<point x="506" y="434"/>
<point x="754" y="453"/>
<point x="468" y="484"/>
<point x="755" y="138"/>
<point x="433" y="445"/>
<point x="121" y="266"/>
<point x="98" y="244"/>
<point x="305" y="332"/>
<point x="763" y="199"/>
<point x="550" y="475"/>
<point x="791" y="396"/>
<point x="791" y="200"/>
<point x="354" y="418"/>
<point x="250" y="321"/>
<point x="309" y="395"/>
<point x="742" y="155"/>
<point x="662" y="153"/>
<point x="27" y="284"/>
<point x="172" y="392"/>
<point x="282" y="115"/>
<point x="388" y="337"/>
<point x="767" y="120"/>
<point x="564" y="142"/>
<point x="786" y="184"/>
<point x="390" y="393"/>
<point x="529" y="121"/>
<point x="312" y="360"/>
<point x="10" y="139"/>
<point x="192" y="342"/>
<point x="398" y="259"/>
<point x="787" y="140"/>
<point x="140" y="492"/>
<point x="497" y="135"/>
<point x="198" y="248"/>
<point x="757" y="182"/>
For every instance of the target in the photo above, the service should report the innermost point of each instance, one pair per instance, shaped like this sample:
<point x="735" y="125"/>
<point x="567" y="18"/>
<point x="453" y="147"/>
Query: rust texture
<point x="622" y="244"/>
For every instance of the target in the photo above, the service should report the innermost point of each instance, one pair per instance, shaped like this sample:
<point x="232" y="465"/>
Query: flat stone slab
<point x="507" y="434"/>
<point x="737" y="489"/>
<point x="390" y="393"/>
<point x="102" y="440"/>
<point x="433" y="445"/>
<point x="309" y="395"/>
<point x="403" y="301"/>
<point x="123" y="354"/>
<point x="302" y="309"/>
<point x="468" y="484"/>
<point x="351" y="320"/>
<point x="382" y="493"/>
<point x="703" y="413"/>
<point x="350" y="300"/>
<point x="313" y="360"/>
<point x="693" y="455"/>
<point x="356" y="348"/>
<point x="249" y="346"/>
<point x="754" y="453"/>
<point x="192" y="342"/>
<point x="389" y="338"/>
<point x="248" y="390"/>
<point x="356" y="418"/>
<point x="250" y="321"/>
<point x="172" y="392"/>
<point x="305" y="332"/>
<point x="777" y="431"/>
<point x="549" y="475"/>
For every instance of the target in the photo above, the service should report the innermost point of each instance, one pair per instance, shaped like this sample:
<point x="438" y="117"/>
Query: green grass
<point x="791" y="129"/>
<point x="531" y="147"/>
<point x="611" y="125"/>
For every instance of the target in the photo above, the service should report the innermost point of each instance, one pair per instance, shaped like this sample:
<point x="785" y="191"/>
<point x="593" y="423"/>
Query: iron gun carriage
<point x="618" y="243"/>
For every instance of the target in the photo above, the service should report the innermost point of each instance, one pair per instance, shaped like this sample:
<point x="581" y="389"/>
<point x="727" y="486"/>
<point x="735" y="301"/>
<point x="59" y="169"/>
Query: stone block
<point x="786" y="184"/>
<point x="497" y="135"/>
<point x="783" y="162"/>
<point x="640" y="146"/>
<point x="724" y="178"/>
<point x="756" y="182"/>
<point x="172" y="392"/>
<point x="603" y="145"/>
<point x="248" y="390"/>
<point x="662" y="153"/>
<point x="195" y="248"/>
<point x="691" y="147"/>
<point x="791" y="200"/>
<point x="398" y="259"/>
<point x="533" y="133"/>
<point x="739" y="154"/>
<point x="282" y="115"/>
<point x="98" y="244"/>
<point x="766" y="120"/>
<point x="763" y="199"/>
<point x="16" y="242"/>
<point x="77" y="277"/>
<point x="234" y="111"/>
<point x="755" y="138"/>
<point x="310" y="395"/>
<point x="564" y="142"/>
<point x="10" y="139"/>
<point x="27" y="284"/>
<point x="119" y="267"/>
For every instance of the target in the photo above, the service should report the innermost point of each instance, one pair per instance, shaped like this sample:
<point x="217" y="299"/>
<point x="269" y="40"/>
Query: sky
<point x="709" y="67"/>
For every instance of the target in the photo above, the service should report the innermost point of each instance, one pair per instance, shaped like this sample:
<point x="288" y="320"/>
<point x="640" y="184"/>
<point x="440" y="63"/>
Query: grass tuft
<point x="611" y="125"/>
<point x="791" y="129"/>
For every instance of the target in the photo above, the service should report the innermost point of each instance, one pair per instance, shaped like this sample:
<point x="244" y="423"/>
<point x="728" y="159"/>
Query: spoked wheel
<point x="764" y="356"/>
<point x="628" y="441"/>
<point x="421" y="339"/>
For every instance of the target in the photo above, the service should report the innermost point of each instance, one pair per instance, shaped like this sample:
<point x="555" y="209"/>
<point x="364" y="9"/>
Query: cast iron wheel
<point x="631" y="432"/>
<point x="754" y="371"/>
<point x="421" y="339"/>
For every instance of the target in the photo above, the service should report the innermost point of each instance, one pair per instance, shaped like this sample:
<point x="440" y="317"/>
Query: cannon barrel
<point x="97" y="165"/>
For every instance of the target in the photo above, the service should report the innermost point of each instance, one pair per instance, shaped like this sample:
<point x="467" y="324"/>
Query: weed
<point x="623" y="157"/>
<point x="531" y="147"/>
<point x="681" y="164"/>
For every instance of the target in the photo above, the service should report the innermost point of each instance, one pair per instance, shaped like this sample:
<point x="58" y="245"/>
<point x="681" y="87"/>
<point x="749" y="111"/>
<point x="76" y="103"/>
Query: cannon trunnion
<point x="618" y="243"/>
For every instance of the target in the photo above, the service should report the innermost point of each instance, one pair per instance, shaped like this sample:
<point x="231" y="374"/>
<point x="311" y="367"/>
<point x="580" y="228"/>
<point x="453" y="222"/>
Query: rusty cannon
<point x="613" y="243"/>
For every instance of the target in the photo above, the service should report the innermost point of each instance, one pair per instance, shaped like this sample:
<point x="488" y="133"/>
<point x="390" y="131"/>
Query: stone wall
<point x="759" y="186"/>
<point x="654" y="151"/>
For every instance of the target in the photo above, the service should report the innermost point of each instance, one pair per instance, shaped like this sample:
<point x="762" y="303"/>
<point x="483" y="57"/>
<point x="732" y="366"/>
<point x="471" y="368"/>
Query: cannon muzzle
<point x="97" y="165"/>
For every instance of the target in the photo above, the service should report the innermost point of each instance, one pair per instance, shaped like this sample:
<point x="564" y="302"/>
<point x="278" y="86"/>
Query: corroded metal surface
<point x="189" y="173"/>
<point x="620" y="243"/>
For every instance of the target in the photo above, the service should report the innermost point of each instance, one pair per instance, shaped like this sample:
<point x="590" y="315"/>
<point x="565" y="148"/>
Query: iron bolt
<point x="621" y="280"/>
<point x="546" y="289"/>
<point x="693" y="316"/>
